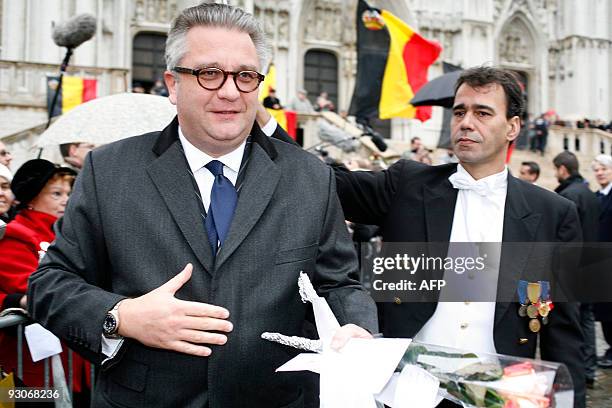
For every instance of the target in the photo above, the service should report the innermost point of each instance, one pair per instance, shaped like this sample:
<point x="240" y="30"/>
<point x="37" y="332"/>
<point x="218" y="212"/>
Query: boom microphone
<point x="378" y="141"/>
<point x="69" y="34"/>
<point x="74" y="32"/>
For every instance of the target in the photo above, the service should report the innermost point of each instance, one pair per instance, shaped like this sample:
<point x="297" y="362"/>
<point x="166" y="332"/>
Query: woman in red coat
<point x="42" y="190"/>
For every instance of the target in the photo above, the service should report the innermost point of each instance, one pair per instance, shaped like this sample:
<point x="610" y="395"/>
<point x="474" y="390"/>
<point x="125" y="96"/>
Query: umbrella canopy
<point x="110" y="118"/>
<point x="437" y="92"/>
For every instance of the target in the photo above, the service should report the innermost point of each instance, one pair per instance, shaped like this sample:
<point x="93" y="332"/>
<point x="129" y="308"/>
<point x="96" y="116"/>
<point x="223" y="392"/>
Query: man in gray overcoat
<point x="179" y="248"/>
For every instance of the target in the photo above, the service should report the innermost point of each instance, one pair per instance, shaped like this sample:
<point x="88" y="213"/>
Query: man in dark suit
<point x="474" y="201"/>
<point x="573" y="187"/>
<point x="271" y="101"/>
<point x="212" y="197"/>
<point x="530" y="171"/>
<point x="602" y="167"/>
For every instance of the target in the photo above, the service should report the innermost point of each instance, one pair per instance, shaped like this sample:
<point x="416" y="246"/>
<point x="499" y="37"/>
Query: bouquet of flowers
<point x="492" y="380"/>
<point x="467" y="378"/>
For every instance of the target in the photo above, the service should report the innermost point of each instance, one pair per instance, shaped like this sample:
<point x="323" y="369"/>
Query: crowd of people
<point x="584" y="124"/>
<point x="158" y="88"/>
<point x="300" y="103"/>
<point x="418" y="152"/>
<point x="31" y="201"/>
<point x="181" y="265"/>
<point x="40" y="190"/>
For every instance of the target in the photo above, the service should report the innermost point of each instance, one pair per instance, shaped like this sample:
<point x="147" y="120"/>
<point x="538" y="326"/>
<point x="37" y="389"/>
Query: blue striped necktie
<point x="223" y="199"/>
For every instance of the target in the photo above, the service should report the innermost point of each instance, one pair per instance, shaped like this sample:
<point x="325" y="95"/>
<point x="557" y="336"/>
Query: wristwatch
<point x="110" y="327"/>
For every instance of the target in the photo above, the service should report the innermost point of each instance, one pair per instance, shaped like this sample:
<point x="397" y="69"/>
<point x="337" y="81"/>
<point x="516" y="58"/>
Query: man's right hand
<point x="158" y="319"/>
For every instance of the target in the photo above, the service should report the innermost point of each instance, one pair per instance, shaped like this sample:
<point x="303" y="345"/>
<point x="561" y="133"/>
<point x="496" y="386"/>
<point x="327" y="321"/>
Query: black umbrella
<point x="437" y="92"/>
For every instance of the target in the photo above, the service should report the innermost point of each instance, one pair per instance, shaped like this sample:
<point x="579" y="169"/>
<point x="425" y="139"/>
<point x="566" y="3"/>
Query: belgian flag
<point x="392" y="64"/>
<point x="75" y="91"/>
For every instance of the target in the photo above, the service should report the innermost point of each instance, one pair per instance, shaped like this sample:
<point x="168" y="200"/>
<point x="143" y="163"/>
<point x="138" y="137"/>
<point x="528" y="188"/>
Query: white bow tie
<point x="462" y="182"/>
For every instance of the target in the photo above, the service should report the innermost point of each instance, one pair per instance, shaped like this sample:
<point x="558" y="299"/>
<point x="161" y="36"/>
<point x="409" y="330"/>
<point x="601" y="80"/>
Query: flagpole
<point x="58" y="89"/>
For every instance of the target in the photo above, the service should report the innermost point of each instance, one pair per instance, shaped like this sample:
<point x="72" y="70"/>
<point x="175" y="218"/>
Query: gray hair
<point x="214" y="15"/>
<point x="604" y="160"/>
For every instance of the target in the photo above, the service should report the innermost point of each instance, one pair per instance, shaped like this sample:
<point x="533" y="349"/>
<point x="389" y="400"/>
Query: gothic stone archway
<point x="516" y="50"/>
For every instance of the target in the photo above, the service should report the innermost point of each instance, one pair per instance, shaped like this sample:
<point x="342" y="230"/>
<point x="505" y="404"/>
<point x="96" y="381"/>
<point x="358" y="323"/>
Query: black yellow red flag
<point x="392" y="65"/>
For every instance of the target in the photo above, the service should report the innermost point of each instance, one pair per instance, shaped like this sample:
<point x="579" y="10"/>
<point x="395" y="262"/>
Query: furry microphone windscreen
<point x="74" y="32"/>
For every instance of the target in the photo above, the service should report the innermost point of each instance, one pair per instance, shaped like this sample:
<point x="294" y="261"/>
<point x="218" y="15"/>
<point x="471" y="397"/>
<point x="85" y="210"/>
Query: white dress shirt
<point x="196" y="160"/>
<point x="479" y="217"/>
<point x="269" y="128"/>
<point x="605" y="191"/>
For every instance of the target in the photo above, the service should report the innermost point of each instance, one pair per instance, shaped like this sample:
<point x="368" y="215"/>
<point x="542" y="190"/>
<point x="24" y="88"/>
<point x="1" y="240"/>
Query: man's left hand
<point x="262" y="116"/>
<point x="343" y="334"/>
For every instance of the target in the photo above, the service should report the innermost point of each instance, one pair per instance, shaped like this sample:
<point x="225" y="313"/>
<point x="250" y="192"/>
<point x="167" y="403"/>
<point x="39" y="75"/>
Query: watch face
<point x="110" y="324"/>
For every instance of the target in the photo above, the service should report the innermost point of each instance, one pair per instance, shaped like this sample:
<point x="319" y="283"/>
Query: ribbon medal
<point x="535" y="303"/>
<point x="522" y="294"/>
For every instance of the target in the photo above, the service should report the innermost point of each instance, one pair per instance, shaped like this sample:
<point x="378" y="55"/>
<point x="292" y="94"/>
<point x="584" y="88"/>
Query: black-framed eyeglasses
<point x="214" y="78"/>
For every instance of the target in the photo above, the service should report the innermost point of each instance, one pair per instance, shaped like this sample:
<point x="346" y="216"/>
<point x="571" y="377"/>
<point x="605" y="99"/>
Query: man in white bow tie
<point x="476" y="200"/>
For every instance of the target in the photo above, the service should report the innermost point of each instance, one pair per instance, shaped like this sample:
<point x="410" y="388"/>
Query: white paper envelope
<point x="304" y="361"/>
<point x="41" y="342"/>
<point x="372" y="361"/>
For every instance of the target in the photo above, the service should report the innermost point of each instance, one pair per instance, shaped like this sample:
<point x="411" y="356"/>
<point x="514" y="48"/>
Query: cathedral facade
<point x="562" y="49"/>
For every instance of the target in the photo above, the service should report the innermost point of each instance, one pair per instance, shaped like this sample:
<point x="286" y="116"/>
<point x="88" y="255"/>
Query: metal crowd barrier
<point x="11" y="320"/>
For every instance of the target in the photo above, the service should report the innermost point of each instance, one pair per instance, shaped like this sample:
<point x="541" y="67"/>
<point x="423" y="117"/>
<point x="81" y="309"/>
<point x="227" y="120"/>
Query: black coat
<point x="576" y="190"/>
<point x="605" y="219"/>
<point x="270" y="101"/>
<point x="603" y="311"/>
<point x="413" y="202"/>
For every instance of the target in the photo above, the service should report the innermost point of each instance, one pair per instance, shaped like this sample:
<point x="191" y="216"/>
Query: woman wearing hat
<point x="6" y="195"/>
<point x="41" y="189"/>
